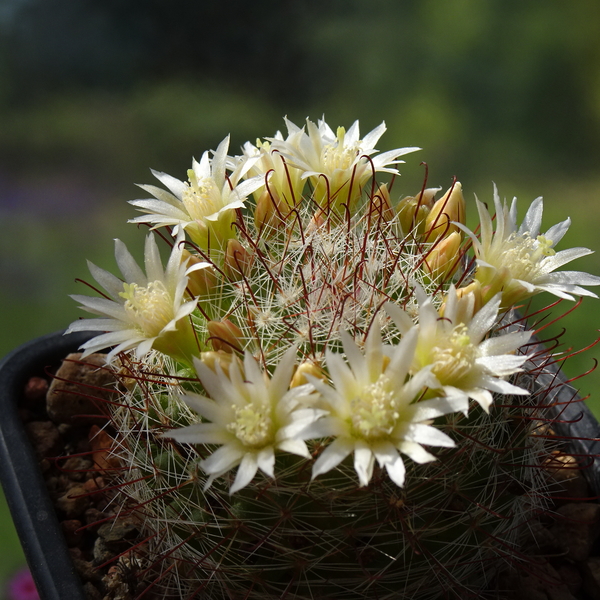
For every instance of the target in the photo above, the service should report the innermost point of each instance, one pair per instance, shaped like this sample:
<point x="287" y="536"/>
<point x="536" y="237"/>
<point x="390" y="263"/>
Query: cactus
<point x="308" y="337"/>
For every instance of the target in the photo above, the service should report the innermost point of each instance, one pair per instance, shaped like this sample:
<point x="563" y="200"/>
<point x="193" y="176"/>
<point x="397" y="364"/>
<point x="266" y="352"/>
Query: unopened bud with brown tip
<point x="450" y="207"/>
<point x="225" y="336"/>
<point x="318" y="222"/>
<point x="381" y="205"/>
<point x="238" y="260"/>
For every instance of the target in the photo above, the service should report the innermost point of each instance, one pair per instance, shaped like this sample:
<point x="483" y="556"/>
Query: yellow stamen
<point x="150" y="308"/>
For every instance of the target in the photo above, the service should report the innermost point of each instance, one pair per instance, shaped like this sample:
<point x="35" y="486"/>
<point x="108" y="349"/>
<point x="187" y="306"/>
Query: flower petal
<point x="332" y="456"/>
<point x="245" y="473"/>
<point x="364" y="461"/>
<point x="199" y="433"/>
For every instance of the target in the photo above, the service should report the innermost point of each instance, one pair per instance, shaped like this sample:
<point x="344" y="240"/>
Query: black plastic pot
<point x="574" y="422"/>
<point x="32" y="509"/>
<point x="30" y="505"/>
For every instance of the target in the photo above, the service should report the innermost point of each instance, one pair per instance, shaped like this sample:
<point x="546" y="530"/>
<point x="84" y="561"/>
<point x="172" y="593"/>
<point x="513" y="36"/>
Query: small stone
<point x="93" y="516"/>
<point x="91" y="591"/>
<point x="102" y="443"/>
<point x="577" y="527"/>
<point x="80" y="389"/>
<point x="35" y="391"/>
<point x="70" y="529"/>
<point x="565" y="477"/>
<point x="45" y="438"/>
<point x="541" y="582"/>
<point x="74" y="502"/>
<point x="117" y="531"/>
<point x="64" y="428"/>
<point x="571" y="577"/>
<point x="76" y="467"/>
<point x="87" y="571"/>
<point x="102" y="552"/>
<point x="540" y="541"/>
<point x="94" y="484"/>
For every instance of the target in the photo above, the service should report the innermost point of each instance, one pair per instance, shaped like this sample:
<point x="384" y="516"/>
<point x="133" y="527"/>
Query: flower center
<point x="149" y="308"/>
<point x="454" y="357"/>
<point x="253" y="425"/>
<point x="337" y="156"/>
<point x="374" y="412"/>
<point x="201" y="198"/>
<point x="523" y="255"/>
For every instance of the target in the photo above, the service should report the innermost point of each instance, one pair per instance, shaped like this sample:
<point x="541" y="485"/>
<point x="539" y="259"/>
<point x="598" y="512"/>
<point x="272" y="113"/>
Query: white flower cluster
<point x="322" y="318"/>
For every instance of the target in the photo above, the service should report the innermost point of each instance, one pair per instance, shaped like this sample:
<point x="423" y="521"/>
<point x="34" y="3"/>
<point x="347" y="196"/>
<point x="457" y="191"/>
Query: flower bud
<point x="223" y="359"/>
<point x="473" y="288"/>
<point x="201" y="280"/>
<point x="269" y="213"/>
<point x="450" y="207"/>
<point x="494" y="281"/>
<point x="443" y="259"/>
<point x="318" y="222"/>
<point x="238" y="260"/>
<point x="413" y="211"/>
<point x="469" y="301"/>
<point x="304" y="369"/>
<point x="427" y="197"/>
<point x="225" y="336"/>
<point x="380" y="205"/>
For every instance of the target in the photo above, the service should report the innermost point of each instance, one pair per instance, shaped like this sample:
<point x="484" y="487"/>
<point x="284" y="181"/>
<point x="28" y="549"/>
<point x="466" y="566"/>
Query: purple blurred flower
<point x="22" y="587"/>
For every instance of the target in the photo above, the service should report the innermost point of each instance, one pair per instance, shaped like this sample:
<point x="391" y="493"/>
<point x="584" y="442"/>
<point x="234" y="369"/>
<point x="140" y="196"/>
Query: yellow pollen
<point x="545" y="246"/>
<point x="374" y="412"/>
<point x="523" y="255"/>
<point x="201" y="198"/>
<point x="253" y="425"/>
<point x="149" y="308"/>
<point x="454" y="357"/>
<point x="265" y="146"/>
<point x="337" y="156"/>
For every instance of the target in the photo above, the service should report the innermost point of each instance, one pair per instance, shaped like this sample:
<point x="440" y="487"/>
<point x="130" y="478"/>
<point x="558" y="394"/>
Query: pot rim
<point x="569" y="416"/>
<point x="33" y="513"/>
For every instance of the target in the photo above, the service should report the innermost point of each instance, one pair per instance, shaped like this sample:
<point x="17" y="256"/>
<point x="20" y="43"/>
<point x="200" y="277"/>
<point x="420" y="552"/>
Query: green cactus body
<point x="331" y="337"/>
<point x="455" y="524"/>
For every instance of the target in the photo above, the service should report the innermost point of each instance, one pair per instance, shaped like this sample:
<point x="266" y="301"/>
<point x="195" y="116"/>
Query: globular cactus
<point x="284" y="373"/>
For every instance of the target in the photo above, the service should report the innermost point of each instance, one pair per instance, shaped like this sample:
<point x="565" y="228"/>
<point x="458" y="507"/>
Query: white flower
<point x="144" y="311"/>
<point x="453" y="345"/>
<point x="374" y="411"/>
<point x="521" y="261"/>
<point x="250" y="416"/>
<point x="205" y="205"/>
<point x="338" y="163"/>
<point x="284" y="181"/>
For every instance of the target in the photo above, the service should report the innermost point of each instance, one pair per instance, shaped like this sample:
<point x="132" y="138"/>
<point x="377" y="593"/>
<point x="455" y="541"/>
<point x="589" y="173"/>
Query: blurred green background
<point x="92" y="94"/>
